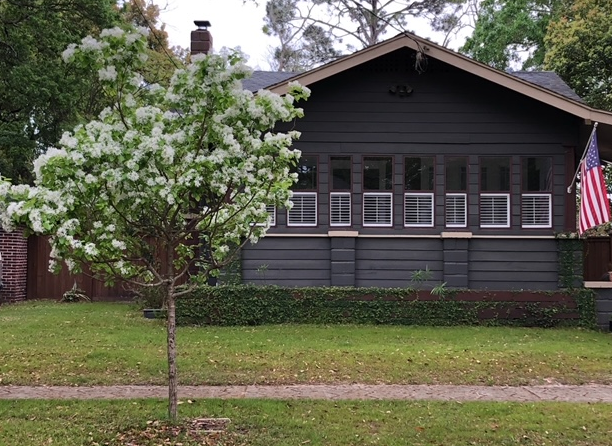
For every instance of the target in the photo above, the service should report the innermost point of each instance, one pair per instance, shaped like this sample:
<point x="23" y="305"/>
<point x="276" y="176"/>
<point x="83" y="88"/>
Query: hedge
<point x="257" y="305"/>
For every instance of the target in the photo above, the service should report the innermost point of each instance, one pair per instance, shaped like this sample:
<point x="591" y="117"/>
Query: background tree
<point x="452" y="21"/>
<point x="579" y="48"/>
<point x="39" y="95"/>
<point x="511" y="32"/>
<point x="160" y="172"/>
<point x="163" y="58"/>
<point x="300" y="48"/>
<point x="355" y="24"/>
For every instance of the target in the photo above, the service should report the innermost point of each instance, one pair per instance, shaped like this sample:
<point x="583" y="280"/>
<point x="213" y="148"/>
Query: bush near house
<point x="255" y="305"/>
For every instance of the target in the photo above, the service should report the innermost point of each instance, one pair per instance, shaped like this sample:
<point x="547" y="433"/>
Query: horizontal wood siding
<point x="511" y="264"/>
<point x="287" y="261"/>
<point x="391" y="262"/>
<point x="450" y="112"/>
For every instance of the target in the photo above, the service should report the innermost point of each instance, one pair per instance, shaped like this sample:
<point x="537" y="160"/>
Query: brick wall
<point x="14" y="250"/>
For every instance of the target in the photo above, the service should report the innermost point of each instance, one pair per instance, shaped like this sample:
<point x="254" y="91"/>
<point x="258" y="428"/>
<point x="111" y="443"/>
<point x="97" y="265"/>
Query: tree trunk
<point x="172" y="373"/>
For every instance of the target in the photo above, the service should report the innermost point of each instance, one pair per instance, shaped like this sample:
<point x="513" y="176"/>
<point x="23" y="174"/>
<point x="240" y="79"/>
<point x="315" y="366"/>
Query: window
<point x="418" y="209"/>
<point x="418" y="195"/>
<point x="536" y="196"/>
<point x="271" y="210"/>
<point x="340" y="168"/>
<point x="456" y="210"/>
<point x="377" y="209"/>
<point x="377" y="173"/>
<point x="340" y="202"/>
<point x="495" y="192"/>
<point x="494" y="211"/>
<point x="378" y="178"/>
<point x="455" y="181"/>
<point x="304" y="210"/>
<point x="340" y="209"/>
<point x="307" y="173"/>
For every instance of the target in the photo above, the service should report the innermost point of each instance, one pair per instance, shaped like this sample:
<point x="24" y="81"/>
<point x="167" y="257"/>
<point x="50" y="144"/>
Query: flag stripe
<point x="594" y="204"/>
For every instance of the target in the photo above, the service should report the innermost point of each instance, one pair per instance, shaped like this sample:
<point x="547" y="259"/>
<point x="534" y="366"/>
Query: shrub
<point x="256" y="305"/>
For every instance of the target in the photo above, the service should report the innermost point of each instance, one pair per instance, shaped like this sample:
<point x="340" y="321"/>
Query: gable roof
<point x="549" y="80"/>
<point x="543" y="87"/>
<point x="263" y="79"/>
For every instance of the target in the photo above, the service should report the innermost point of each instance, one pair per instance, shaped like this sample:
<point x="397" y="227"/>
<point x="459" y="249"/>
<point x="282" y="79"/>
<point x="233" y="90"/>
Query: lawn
<point x="46" y="343"/>
<point x="337" y="423"/>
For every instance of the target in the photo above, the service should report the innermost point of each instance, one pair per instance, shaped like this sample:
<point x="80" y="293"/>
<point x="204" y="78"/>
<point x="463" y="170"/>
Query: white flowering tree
<point x="160" y="172"/>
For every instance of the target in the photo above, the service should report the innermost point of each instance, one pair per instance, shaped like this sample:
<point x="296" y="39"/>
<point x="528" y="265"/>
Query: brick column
<point x="14" y="250"/>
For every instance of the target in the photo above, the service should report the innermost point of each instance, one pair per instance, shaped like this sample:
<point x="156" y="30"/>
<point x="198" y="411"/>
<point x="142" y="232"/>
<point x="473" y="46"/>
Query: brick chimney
<point x="201" y="39"/>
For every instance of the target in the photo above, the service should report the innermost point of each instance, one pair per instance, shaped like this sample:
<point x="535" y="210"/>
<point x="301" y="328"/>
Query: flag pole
<point x="586" y="148"/>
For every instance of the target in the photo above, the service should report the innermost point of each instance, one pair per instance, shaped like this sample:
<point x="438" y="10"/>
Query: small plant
<point x="75" y="294"/>
<point x="261" y="271"/>
<point x="421" y="275"/>
<point x="440" y="290"/>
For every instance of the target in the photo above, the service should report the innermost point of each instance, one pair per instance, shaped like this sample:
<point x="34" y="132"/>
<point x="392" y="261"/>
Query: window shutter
<point x="536" y="211"/>
<point x="456" y="210"/>
<point x="418" y="209"/>
<point x="340" y="209"/>
<point x="271" y="210"/>
<point x="377" y="209"/>
<point x="495" y="210"/>
<point x="304" y="210"/>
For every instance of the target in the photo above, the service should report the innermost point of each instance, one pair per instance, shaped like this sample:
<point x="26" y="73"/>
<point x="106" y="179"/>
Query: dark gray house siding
<point x="449" y="113"/>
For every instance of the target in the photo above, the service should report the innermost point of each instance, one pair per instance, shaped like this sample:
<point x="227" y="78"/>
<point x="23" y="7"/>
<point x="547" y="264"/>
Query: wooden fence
<point x="42" y="284"/>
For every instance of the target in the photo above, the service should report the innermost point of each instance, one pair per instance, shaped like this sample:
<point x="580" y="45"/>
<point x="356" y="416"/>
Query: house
<point x="415" y="157"/>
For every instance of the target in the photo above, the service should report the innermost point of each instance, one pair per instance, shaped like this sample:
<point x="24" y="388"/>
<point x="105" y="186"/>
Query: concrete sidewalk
<point x="586" y="393"/>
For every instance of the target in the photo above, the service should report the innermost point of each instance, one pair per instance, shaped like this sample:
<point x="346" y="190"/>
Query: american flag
<point x="594" y="204"/>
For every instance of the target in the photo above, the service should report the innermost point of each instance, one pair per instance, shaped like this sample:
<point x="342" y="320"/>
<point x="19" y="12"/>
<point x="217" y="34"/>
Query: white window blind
<point x="536" y="211"/>
<point x="456" y="210"/>
<point x="377" y="209"/>
<point x="304" y="210"/>
<point x="494" y="210"/>
<point x="271" y="210"/>
<point x="418" y="209"/>
<point x="340" y="209"/>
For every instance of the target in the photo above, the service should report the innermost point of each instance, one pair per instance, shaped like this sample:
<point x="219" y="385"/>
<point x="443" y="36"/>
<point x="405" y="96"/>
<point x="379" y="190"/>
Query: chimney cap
<point x="202" y="24"/>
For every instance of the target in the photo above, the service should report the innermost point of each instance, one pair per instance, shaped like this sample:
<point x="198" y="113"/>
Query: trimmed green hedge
<point x="257" y="305"/>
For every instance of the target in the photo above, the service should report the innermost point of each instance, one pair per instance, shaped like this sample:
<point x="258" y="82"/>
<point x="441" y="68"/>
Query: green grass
<point x="103" y="343"/>
<point x="265" y="422"/>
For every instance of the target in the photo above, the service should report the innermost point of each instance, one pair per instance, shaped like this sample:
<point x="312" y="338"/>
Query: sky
<point x="233" y="24"/>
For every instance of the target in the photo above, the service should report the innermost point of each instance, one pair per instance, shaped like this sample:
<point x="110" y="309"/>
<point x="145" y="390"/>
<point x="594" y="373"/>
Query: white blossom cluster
<point x="202" y="148"/>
